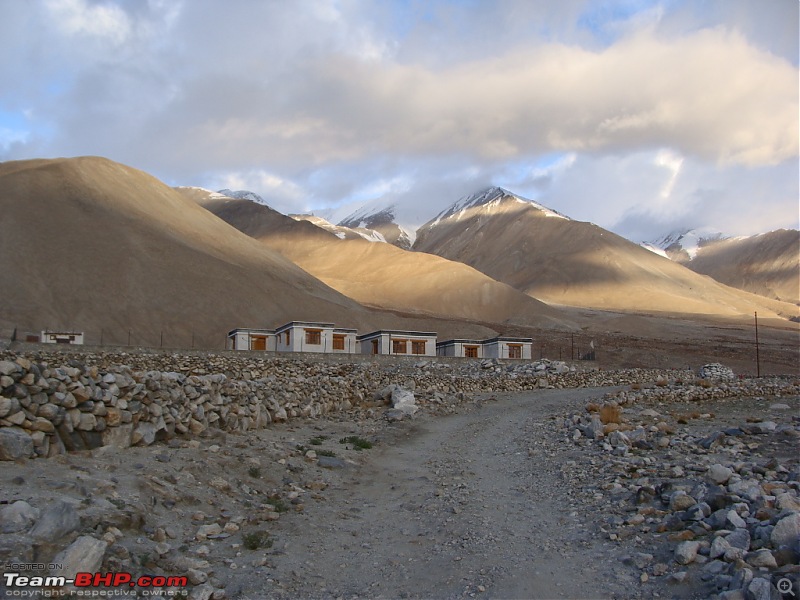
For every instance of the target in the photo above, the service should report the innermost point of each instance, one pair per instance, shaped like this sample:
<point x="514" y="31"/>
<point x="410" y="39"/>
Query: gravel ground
<point x="498" y="500"/>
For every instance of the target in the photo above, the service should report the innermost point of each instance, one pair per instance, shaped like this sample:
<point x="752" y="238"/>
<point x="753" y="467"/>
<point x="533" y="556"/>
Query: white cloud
<point x="78" y="17"/>
<point x="652" y="108"/>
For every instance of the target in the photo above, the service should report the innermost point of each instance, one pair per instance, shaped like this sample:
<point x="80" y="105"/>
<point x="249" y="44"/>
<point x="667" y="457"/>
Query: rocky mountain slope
<point x="562" y="261"/>
<point x="767" y="264"/>
<point x="381" y="275"/>
<point x="92" y="245"/>
<point x="384" y="222"/>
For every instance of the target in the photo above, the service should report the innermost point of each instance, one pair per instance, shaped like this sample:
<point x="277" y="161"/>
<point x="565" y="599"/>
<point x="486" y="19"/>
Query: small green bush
<point x="256" y="540"/>
<point x="358" y="443"/>
<point x="278" y="504"/>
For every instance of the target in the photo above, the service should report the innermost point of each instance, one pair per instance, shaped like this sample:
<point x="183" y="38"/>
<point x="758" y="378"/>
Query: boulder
<point x="57" y="521"/>
<point x="17" y="517"/>
<point x="15" y="444"/>
<point x="787" y="531"/>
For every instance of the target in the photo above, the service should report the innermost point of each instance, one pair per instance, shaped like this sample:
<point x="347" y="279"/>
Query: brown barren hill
<point x="91" y="245"/>
<point x="766" y="264"/>
<point x="385" y="276"/>
<point x="567" y="262"/>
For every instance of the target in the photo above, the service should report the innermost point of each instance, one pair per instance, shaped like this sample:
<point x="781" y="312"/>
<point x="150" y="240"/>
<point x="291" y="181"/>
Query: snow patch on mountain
<point x="688" y="240"/>
<point x="340" y="231"/>
<point x="243" y="195"/>
<point x="490" y="199"/>
<point x="210" y="194"/>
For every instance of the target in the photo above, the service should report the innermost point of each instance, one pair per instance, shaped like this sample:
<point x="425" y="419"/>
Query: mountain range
<point x="766" y="264"/>
<point x="94" y="245"/>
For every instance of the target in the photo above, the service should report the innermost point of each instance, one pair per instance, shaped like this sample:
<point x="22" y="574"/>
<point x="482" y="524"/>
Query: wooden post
<point x="758" y="356"/>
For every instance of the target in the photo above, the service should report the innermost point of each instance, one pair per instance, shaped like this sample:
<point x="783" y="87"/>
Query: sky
<point x="642" y="116"/>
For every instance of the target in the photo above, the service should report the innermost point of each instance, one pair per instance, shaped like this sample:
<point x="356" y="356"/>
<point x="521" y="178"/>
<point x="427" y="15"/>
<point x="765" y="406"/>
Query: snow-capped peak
<point x="243" y="195"/>
<point x="688" y="240"/>
<point x="491" y="198"/>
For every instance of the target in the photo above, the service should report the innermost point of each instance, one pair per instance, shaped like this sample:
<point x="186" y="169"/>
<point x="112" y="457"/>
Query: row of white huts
<point x="305" y="336"/>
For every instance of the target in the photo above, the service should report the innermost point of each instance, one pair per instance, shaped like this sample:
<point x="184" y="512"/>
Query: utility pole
<point x="758" y="356"/>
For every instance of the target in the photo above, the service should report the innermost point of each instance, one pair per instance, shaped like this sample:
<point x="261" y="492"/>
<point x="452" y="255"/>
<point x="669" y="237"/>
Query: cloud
<point x="609" y="111"/>
<point x="78" y="17"/>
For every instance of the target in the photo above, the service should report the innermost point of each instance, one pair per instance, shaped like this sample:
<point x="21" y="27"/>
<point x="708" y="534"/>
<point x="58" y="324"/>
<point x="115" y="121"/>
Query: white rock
<point x="787" y="531"/>
<point x="719" y="474"/>
<point x="686" y="552"/>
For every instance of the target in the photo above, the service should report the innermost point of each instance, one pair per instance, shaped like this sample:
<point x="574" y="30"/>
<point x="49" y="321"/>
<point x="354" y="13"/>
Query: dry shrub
<point x="683" y="419"/>
<point x="610" y="413"/>
<point x="705" y="383"/>
<point x="662" y="383"/>
<point x="592" y="407"/>
<point x="610" y="427"/>
<point x="665" y="428"/>
<point x="636" y="386"/>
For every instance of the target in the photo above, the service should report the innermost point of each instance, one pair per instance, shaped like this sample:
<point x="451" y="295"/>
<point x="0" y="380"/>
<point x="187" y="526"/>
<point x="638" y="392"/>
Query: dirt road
<point x="471" y="505"/>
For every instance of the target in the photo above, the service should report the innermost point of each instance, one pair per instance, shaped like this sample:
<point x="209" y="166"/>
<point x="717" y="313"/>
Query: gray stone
<point x="680" y="500"/>
<point x="8" y="368"/>
<point x="719" y="474"/>
<point x="760" y="589"/>
<point x="144" y="435"/>
<point x="403" y="399"/>
<point x="84" y="555"/>
<point x="762" y="558"/>
<point x="331" y="462"/>
<point x="56" y="521"/>
<point x="739" y="539"/>
<point x="734" y="520"/>
<point x="686" y="552"/>
<point x="718" y="547"/>
<point x="18" y="516"/>
<point x="118" y="437"/>
<point x="15" y="444"/>
<point x="787" y="531"/>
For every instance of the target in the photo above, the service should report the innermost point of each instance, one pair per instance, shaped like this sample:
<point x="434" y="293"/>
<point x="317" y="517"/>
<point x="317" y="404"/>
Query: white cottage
<point x="460" y="348"/>
<point x="402" y="343"/>
<point x="306" y="336"/>
<point x="62" y="337"/>
<point x="508" y="347"/>
<point x="252" y="339"/>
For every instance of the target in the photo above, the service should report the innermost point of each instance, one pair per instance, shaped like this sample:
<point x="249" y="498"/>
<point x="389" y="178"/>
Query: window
<point x="287" y="338"/>
<point x="338" y="341"/>
<point x="374" y="346"/>
<point x="471" y="351"/>
<point x="258" y="342"/>
<point x="313" y="337"/>
<point x="399" y="346"/>
<point x="514" y="351"/>
<point x="418" y="347"/>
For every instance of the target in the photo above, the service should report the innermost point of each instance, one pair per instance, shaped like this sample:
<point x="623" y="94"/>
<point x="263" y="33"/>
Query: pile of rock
<point x="688" y="391"/>
<point x="716" y="371"/>
<point x="735" y="519"/>
<point x="54" y="402"/>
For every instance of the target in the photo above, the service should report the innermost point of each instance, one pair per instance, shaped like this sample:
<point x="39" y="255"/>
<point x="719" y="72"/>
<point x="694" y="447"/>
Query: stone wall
<point x="65" y="400"/>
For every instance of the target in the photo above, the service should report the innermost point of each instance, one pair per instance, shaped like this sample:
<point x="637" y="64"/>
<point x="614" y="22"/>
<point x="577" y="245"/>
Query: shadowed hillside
<point x="766" y="264"/>
<point x="92" y="245"/>
<point x="568" y="262"/>
<point x="382" y="275"/>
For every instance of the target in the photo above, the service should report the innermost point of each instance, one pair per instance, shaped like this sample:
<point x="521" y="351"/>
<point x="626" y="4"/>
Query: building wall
<point x="74" y="338"/>
<point x="499" y="349"/>
<point x="387" y="345"/>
